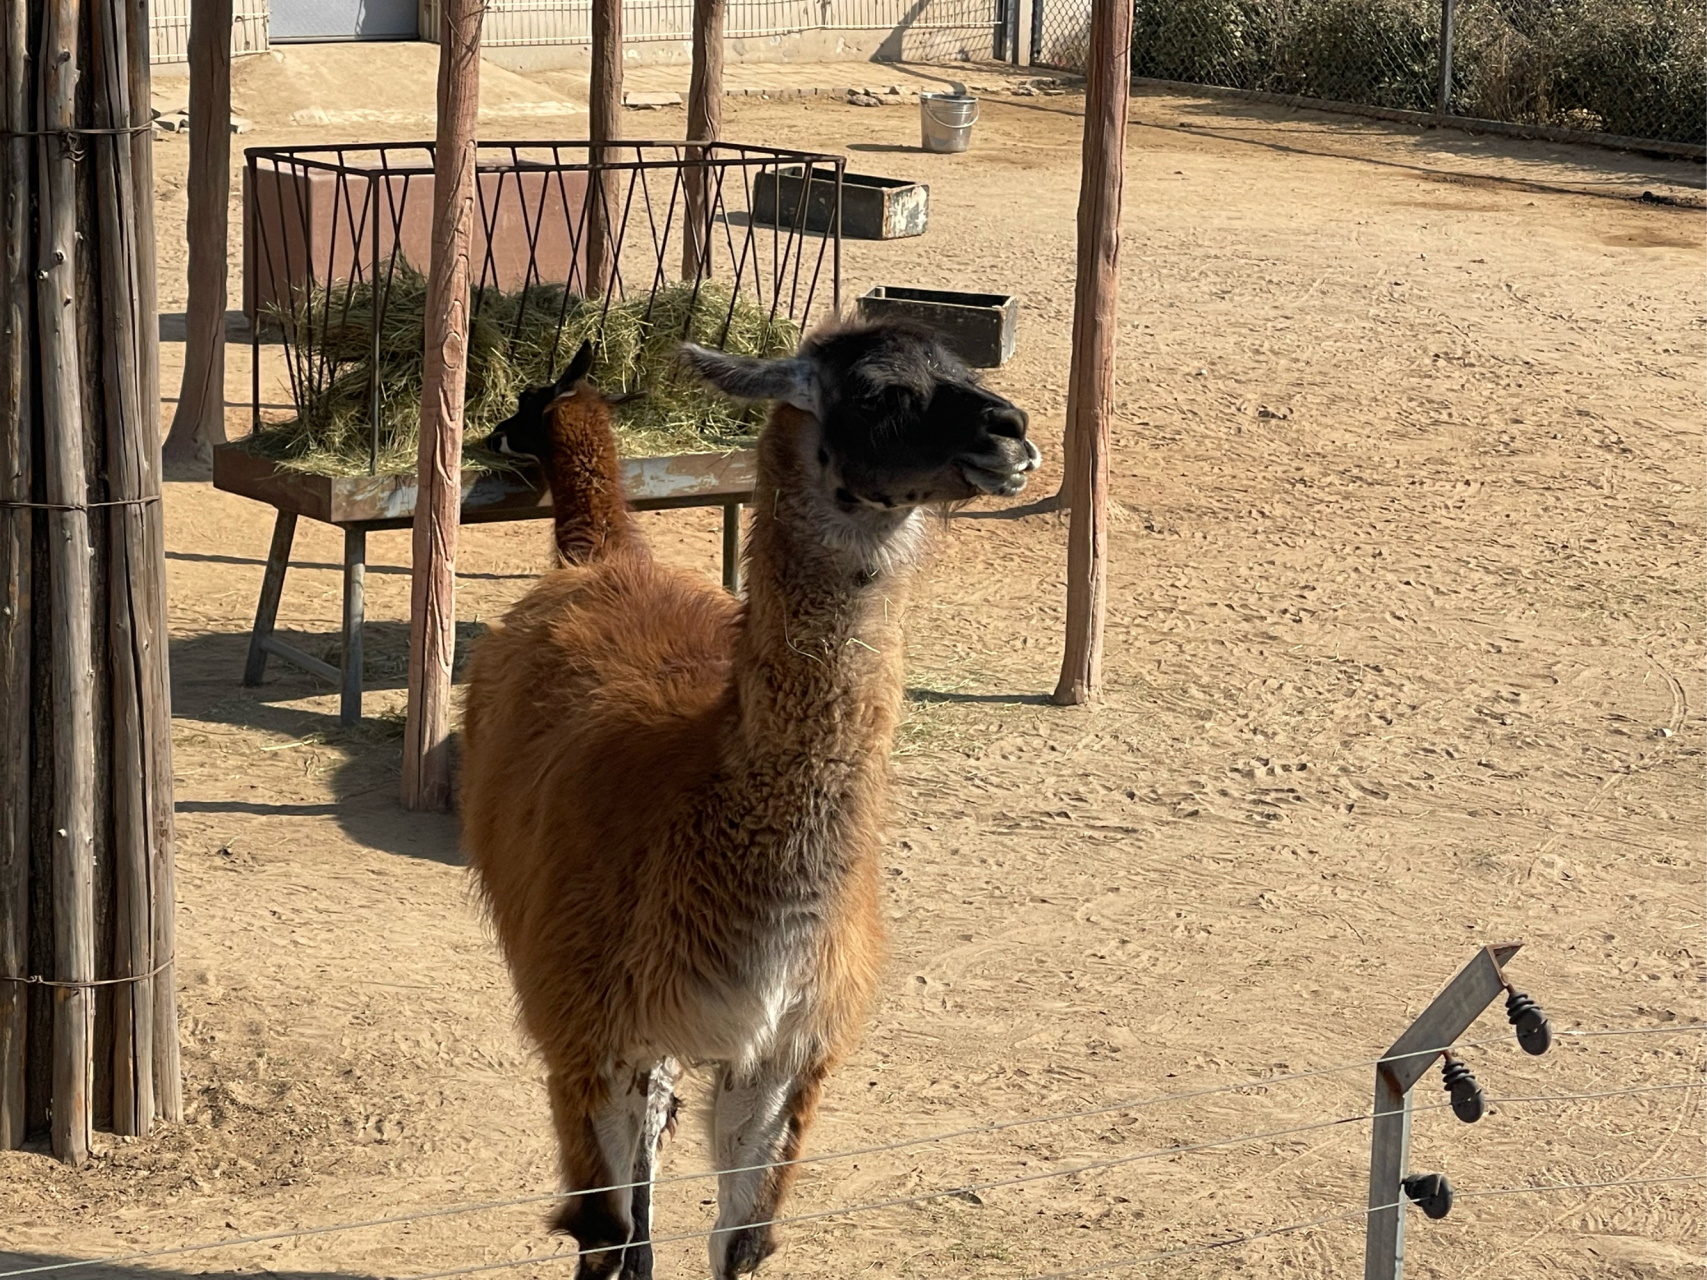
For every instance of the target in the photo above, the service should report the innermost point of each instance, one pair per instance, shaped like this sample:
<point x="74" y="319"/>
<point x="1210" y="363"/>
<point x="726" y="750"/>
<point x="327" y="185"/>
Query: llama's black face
<point x="526" y="433"/>
<point x="904" y="422"/>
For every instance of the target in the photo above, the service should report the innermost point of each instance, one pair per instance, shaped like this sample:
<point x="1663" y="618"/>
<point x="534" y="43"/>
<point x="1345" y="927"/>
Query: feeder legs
<point x="732" y="548"/>
<point x="272" y="587"/>
<point x="355" y="577"/>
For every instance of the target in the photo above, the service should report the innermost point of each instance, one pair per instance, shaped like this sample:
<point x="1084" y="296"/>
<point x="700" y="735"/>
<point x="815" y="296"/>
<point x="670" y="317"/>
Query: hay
<point x="515" y="341"/>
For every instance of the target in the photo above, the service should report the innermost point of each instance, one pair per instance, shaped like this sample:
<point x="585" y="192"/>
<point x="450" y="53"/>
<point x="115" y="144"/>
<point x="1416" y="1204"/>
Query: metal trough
<point x="978" y="327"/>
<point x="873" y="208"/>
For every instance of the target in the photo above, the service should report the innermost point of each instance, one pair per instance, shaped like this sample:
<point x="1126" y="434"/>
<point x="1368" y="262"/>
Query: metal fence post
<point x="1447" y="1017"/>
<point x="1023" y="49"/>
<point x="1444" y="103"/>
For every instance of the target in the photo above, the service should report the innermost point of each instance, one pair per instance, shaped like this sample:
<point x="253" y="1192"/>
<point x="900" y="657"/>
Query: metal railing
<point x="169" y="29"/>
<point x="511" y="23"/>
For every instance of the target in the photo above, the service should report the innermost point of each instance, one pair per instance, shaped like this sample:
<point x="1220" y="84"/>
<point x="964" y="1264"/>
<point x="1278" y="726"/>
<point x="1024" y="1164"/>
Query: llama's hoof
<point x="599" y="1235"/>
<point x="602" y="1265"/>
<point x="637" y="1263"/>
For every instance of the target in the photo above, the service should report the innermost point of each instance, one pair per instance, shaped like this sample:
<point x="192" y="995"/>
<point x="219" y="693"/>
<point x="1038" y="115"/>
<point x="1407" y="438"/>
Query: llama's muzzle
<point x="1000" y="472"/>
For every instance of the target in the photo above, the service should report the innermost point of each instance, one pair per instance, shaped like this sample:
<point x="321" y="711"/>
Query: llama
<point x="672" y="802"/>
<point x="578" y="454"/>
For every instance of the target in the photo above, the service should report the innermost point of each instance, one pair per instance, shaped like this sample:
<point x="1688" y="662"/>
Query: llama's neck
<point x="819" y="662"/>
<point x="589" y="514"/>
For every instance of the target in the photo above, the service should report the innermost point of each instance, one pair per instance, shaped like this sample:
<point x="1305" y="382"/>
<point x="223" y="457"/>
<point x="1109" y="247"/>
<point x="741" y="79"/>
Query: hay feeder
<point x="335" y="248"/>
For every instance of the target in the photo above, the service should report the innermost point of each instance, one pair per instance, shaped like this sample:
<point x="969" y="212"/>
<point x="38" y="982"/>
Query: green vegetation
<point x="1631" y="67"/>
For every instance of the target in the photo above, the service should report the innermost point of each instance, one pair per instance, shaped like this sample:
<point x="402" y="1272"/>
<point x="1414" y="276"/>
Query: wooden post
<point x="136" y="757"/>
<point x="705" y="124"/>
<point x="199" y="422"/>
<point x="1090" y="392"/>
<point x="432" y="613"/>
<point x="16" y="543"/>
<point x="604" y="124"/>
<point x="71" y="672"/>
<point x="156" y="687"/>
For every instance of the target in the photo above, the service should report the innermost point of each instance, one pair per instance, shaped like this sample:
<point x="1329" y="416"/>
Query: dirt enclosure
<point x="1404" y="655"/>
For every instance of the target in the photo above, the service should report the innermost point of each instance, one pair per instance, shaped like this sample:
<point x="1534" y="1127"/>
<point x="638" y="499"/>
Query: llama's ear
<point x="578" y="368"/>
<point x="748" y="378"/>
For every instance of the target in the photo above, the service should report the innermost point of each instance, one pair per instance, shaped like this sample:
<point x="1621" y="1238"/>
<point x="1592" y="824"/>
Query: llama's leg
<point x="759" y="1121"/>
<point x="659" y="1113"/>
<point x="599" y="1123"/>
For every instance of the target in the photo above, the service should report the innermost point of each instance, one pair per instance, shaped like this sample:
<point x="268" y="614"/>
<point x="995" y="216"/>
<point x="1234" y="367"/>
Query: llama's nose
<point x="1009" y="420"/>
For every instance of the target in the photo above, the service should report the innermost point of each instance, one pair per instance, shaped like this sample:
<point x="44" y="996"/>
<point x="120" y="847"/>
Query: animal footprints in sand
<point x="1263" y="767"/>
<point x="1269" y="803"/>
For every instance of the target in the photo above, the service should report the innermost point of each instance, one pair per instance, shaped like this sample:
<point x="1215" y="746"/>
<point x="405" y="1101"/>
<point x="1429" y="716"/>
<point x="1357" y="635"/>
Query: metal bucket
<point x="946" y="120"/>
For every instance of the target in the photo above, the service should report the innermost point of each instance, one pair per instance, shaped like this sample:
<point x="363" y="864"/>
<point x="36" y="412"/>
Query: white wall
<point x="552" y="33"/>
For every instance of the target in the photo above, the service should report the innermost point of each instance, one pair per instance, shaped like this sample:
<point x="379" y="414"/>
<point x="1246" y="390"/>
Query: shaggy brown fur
<point x="673" y="805"/>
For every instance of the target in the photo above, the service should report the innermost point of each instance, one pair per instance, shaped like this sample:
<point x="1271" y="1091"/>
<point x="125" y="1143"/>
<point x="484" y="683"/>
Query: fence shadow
<point x="174" y="327"/>
<point x="996" y="699"/>
<point x="1591" y="167"/>
<point x="207" y="673"/>
<point x="81" y="1269"/>
<point x="396" y="570"/>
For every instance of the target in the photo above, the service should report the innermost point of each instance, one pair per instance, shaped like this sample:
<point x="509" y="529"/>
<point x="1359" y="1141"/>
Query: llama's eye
<point x="823" y="457"/>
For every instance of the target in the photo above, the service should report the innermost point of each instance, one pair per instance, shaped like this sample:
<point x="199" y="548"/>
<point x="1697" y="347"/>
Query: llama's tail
<point x="590" y="515"/>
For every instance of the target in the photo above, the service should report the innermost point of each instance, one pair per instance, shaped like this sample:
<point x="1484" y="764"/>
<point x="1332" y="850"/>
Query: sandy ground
<point x="1404" y="655"/>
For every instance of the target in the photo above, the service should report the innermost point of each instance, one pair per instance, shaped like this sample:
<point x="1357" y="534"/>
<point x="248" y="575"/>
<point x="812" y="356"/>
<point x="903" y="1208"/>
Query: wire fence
<point x="1632" y="68"/>
<point x="971" y="1189"/>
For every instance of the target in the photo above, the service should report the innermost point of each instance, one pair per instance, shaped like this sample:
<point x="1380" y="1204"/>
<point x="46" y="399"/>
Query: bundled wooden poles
<point x="87" y="1011"/>
<point x="432" y="612"/>
<point x="1090" y="390"/>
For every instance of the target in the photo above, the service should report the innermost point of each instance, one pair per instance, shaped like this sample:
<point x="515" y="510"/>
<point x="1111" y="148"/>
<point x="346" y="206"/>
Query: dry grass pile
<point x="516" y="340"/>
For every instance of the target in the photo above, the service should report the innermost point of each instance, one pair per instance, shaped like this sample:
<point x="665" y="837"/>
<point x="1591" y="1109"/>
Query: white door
<point x="343" y="20"/>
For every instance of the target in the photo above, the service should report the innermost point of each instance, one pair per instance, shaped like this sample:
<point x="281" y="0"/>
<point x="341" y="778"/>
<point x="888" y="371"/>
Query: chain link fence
<point x="1636" y="68"/>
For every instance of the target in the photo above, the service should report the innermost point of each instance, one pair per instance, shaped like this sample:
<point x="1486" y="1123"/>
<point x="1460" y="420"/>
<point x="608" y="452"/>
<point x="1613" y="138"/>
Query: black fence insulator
<point x="1534" y="1033"/>
<point x="1432" y="1193"/>
<point x="1468" y="1102"/>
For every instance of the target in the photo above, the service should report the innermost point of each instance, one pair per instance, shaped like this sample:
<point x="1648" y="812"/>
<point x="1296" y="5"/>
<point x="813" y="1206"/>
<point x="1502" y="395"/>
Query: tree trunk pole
<point x="157" y="685"/>
<point x="705" y="124"/>
<point x="604" y="124"/>
<point x="432" y="614"/>
<point x="134" y="649"/>
<point x="199" y="422"/>
<point x="16" y="542"/>
<point x="72" y="667"/>
<point x="1090" y="397"/>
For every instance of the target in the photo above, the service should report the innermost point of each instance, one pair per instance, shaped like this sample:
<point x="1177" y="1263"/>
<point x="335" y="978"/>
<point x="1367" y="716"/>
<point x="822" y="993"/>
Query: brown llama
<point x="673" y="802"/>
